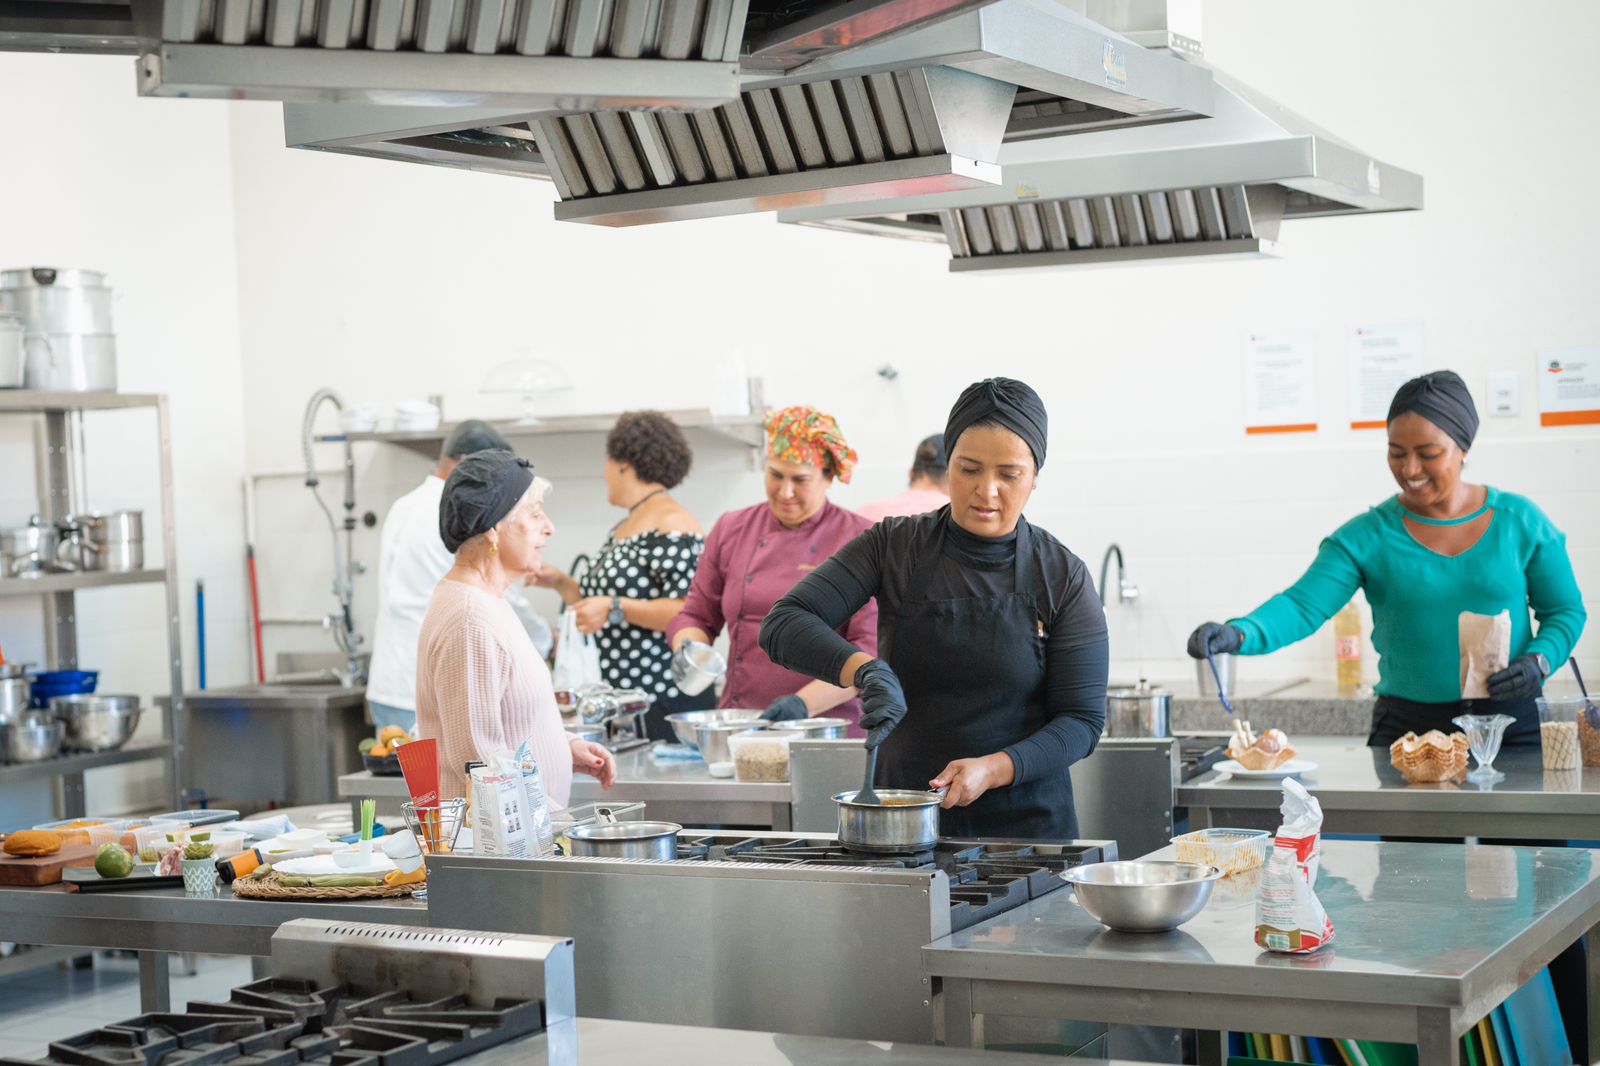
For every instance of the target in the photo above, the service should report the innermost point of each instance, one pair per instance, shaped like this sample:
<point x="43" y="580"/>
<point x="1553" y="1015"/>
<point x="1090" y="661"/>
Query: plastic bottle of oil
<point x="1347" y="647"/>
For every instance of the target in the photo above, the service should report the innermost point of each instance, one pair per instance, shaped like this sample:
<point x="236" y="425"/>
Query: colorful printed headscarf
<point x="807" y="435"/>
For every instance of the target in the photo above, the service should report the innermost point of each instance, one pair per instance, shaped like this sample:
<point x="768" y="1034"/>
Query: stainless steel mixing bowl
<point x="96" y="722"/>
<point x="685" y="723"/>
<point x="1144" y="896"/>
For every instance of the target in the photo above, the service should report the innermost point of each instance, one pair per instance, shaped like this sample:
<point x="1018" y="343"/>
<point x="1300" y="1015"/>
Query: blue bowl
<point x="62" y="683"/>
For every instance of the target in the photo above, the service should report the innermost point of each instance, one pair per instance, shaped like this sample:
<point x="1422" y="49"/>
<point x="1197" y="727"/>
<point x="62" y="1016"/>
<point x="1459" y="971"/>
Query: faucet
<point x="1127" y="591"/>
<point x="342" y="624"/>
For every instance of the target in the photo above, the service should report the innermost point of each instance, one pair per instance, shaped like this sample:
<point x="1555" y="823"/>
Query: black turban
<point x="1442" y="398"/>
<point x="481" y="490"/>
<point x="1004" y="400"/>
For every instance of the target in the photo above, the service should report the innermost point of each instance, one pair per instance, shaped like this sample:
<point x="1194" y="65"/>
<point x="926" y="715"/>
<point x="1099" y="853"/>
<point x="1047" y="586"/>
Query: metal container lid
<point x="66" y="277"/>
<point x="1142" y="691"/>
<point x="625" y="830"/>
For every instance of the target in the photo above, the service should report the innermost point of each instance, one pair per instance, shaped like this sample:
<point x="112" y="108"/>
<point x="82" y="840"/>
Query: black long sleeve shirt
<point x="799" y="633"/>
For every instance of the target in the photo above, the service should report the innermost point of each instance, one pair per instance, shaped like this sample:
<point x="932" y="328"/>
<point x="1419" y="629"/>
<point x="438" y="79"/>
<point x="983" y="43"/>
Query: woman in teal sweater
<point x="1439" y="547"/>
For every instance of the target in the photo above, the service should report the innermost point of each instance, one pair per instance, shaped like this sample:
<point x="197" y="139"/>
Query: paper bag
<point x="1289" y="916"/>
<point x="499" y="826"/>
<point x="577" y="656"/>
<point x="1485" y="649"/>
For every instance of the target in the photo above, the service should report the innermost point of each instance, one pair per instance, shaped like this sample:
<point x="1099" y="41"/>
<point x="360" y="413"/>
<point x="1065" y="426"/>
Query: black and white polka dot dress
<point x="647" y="566"/>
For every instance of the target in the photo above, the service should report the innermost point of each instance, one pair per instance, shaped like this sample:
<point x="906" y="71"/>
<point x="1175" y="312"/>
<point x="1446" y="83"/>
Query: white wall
<point x="94" y="176"/>
<point x="390" y="281"/>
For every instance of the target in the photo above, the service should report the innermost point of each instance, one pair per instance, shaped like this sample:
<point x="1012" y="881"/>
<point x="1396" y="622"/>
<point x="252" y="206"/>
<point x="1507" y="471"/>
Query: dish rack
<point x="1232" y="851"/>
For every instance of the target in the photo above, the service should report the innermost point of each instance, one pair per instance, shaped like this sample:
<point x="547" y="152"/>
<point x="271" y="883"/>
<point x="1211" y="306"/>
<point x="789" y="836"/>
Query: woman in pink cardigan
<point x="481" y="685"/>
<point x="756" y="555"/>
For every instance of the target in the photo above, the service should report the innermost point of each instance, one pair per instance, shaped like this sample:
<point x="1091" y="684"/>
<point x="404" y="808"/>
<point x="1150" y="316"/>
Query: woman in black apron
<point x="989" y="631"/>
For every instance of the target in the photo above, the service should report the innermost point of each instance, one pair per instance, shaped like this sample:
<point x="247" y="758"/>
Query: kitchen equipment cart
<point x="61" y="454"/>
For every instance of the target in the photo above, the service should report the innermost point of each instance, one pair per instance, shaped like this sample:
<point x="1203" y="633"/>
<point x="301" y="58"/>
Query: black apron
<point x="973" y="671"/>
<point x="1393" y="718"/>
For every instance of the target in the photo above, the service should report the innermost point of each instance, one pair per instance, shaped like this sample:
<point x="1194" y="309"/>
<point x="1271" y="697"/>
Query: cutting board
<point x="143" y="878"/>
<point x="45" y="870"/>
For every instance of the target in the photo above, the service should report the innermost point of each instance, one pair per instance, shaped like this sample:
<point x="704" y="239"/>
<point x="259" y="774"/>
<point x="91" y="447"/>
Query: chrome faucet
<point x="1127" y="591"/>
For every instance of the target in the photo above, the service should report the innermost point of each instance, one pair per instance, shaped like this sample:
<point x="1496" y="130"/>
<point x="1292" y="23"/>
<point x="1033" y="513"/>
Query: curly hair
<point x="653" y="445"/>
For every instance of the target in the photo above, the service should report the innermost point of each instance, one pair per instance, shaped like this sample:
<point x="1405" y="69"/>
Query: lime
<point x="368" y="744"/>
<point x="113" y="860"/>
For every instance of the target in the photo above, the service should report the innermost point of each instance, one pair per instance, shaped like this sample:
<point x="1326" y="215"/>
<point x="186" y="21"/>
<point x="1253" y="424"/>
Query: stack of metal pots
<point x="67" y="340"/>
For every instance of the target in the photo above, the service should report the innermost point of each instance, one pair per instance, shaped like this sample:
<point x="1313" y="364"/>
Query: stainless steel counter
<point x="158" y="923"/>
<point x="1361" y="793"/>
<point x="674" y="791"/>
<point x="606" y="1042"/>
<point x="1428" y="939"/>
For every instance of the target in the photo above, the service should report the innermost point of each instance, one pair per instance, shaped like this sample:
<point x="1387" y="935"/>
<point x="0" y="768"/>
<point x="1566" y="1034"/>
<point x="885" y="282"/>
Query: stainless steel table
<point x="159" y="923"/>
<point x="674" y="791"/>
<point x="1362" y="794"/>
<point x="1428" y="939"/>
<point x="607" y="1042"/>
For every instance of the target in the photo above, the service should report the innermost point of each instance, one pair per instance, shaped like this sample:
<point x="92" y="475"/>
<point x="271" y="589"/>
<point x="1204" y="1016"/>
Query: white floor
<point x="55" y="1002"/>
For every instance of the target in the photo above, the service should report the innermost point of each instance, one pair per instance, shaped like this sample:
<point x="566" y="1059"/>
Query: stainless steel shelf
<point x="746" y="429"/>
<point x="29" y="401"/>
<point x="47" y="583"/>
<point x="134" y="751"/>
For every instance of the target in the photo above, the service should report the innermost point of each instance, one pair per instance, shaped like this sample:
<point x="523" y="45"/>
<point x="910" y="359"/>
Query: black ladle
<point x="868" y="794"/>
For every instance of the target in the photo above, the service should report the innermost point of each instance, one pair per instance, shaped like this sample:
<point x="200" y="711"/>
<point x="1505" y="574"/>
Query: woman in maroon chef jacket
<point x="755" y="555"/>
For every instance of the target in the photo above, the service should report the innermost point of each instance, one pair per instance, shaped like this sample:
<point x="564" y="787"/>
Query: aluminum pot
<point x="11" y="351"/>
<point x="68" y="341"/>
<point x="15" y="692"/>
<point x="30" y="550"/>
<point x="905" y="820"/>
<point x="96" y="723"/>
<point x="625" y="840"/>
<point x="31" y="738"/>
<point x="113" y="540"/>
<point x="1144" y="710"/>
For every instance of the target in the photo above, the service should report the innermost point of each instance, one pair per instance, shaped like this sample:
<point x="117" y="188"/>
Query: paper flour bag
<point x="1485" y="649"/>
<point x="499" y="825"/>
<point x="541" y="832"/>
<point x="1289" y="917"/>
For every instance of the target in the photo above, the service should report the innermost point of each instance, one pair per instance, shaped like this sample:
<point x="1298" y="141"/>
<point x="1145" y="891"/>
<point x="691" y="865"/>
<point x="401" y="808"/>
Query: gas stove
<point x="987" y="877"/>
<point x="353" y="994"/>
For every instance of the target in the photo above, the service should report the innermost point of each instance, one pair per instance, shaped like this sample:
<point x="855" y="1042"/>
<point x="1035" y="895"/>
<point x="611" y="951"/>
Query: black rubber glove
<point x="1522" y="680"/>
<point x="786" y="709"/>
<point x="883" y="701"/>
<point x="1214" y="636"/>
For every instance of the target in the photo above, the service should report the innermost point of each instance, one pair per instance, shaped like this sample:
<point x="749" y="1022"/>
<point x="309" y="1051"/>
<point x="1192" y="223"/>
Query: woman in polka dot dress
<point x="637" y="582"/>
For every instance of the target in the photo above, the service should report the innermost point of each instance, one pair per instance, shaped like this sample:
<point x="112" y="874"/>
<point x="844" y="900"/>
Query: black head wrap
<point x="479" y="492"/>
<point x="1442" y="398"/>
<point x="1004" y="400"/>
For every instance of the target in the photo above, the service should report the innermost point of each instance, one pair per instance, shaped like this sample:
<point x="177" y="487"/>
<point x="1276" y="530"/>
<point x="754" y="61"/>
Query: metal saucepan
<point x="625" y="840"/>
<point x="1144" y="710"/>
<point x="904" y="819"/>
<point x="15" y="693"/>
<point x="113" y="540"/>
<point x="11" y="352"/>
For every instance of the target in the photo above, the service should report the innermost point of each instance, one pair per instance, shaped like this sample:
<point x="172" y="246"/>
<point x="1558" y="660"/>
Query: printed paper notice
<point x="1569" y="387"/>
<point x="1382" y="358"/>
<point x="1281" y="382"/>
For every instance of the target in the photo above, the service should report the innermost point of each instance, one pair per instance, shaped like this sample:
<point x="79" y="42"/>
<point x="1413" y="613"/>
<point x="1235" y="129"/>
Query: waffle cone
<point x="1430" y="757"/>
<point x="1256" y="759"/>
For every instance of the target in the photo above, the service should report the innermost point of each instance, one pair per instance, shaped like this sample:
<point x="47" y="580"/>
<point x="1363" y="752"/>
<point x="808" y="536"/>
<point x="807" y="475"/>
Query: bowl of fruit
<point x="380" y="754"/>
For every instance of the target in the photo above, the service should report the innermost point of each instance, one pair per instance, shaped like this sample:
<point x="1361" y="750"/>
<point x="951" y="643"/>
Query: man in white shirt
<point x="411" y="562"/>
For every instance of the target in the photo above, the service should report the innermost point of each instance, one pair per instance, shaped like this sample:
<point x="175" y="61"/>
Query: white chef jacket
<point x="412" y="560"/>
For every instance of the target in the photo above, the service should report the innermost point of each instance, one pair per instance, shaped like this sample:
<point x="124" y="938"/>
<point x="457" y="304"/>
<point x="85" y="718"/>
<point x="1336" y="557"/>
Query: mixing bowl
<point x="96" y="723"/>
<point x="1145" y="896"/>
<point x="32" y="738"/>
<point x="684" y="723"/>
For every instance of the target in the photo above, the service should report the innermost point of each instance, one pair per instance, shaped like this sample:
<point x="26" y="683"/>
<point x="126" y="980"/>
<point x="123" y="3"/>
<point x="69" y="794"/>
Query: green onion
<point x="369" y="815"/>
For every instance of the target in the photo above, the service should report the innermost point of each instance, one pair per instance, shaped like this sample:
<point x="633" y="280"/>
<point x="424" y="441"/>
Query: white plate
<point x="324" y="866"/>
<point x="1292" y="768"/>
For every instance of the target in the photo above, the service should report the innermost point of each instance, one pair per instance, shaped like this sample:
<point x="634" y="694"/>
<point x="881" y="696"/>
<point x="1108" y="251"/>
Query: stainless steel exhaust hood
<point x="1217" y="187"/>
<point x="911" y="113"/>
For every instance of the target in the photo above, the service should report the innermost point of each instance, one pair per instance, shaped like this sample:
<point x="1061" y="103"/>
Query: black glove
<point x="883" y="701"/>
<point x="786" y="709"/>
<point x="1216" y="638"/>
<point x="1522" y="680"/>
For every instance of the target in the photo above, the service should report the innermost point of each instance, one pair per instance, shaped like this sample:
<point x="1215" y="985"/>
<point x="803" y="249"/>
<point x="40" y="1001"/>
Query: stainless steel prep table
<point x="674" y="791"/>
<point x="159" y="923"/>
<point x="1361" y="793"/>
<point x="1428" y="939"/>
<point x="607" y="1042"/>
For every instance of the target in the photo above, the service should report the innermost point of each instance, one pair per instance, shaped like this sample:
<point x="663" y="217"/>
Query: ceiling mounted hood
<point x="916" y="112"/>
<point x="1159" y="193"/>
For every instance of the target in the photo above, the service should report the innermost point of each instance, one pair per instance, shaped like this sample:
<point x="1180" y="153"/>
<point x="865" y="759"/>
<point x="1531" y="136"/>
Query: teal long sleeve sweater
<point x="1416" y="595"/>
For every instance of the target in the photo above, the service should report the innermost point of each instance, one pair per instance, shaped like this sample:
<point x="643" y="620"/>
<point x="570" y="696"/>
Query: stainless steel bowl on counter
<point x="625" y="840"/>
<point x="816" y="728"/>
<point x="685" y="723"/>
<point x="95" y="722"/>
<point x="712" y="737"/>
<point x="33" y="737"/>
<point x="903" y="819"/>
<point x="1143" y="896"/>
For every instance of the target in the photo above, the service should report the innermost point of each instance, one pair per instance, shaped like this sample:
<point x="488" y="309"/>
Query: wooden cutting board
<point x="45" y="870"/>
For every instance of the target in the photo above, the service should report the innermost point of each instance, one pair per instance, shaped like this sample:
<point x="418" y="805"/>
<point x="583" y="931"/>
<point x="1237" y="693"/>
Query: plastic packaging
<point x="761" y="756"/>
<point x="499" y="824"/>
<point x="125" y="832"/>
<point x="542" y="841"/>
<point x="1289" y="916"/>
<point x="1559" y="734"/>
<point x="74" y="830"/>
<point x="1230" y="850"/>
